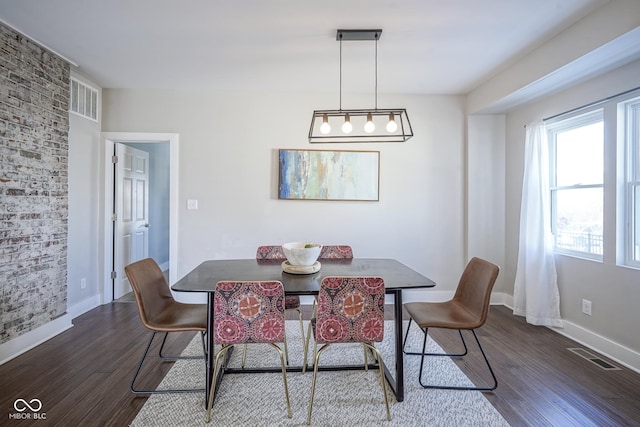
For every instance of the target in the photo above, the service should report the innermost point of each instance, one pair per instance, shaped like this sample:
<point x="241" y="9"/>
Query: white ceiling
<point x="427" y="46"/>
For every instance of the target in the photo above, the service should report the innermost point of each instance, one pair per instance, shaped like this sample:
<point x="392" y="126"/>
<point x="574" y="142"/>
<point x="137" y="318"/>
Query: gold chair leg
<point x="313" y="307"/>
<point x="382" y="379"/>
<point x="301" y="326"/>
<point x="306" y="349"/>
<point x="366" y="360"/>
<point x="244" y="355"/>
<point x="286" y="350"/>
<point x="313" y="381"/>
<point x="284" y="379"/>
<point x="212" y="391"/>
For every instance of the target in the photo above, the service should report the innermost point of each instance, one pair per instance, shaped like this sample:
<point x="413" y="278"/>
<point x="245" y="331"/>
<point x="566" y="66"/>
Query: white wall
<point x="228" y="162"/>
<point x="485" y="208"/>
<point x="83" y="244"/>
<point x="613" y="290"/>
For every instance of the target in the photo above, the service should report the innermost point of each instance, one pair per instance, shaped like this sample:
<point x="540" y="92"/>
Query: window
<point x="84" y="100"/>
<point x="632" y="181"/>
<point x="576" y="182"/>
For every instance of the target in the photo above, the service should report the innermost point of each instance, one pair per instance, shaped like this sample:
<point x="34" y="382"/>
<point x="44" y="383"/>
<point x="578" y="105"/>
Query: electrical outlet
<point x="586" y="307"/>
<point x="192" y="204"/>
<point x="83" y="283"/>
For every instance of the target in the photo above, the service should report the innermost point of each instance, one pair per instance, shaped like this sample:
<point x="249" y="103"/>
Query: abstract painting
<point x="329" y="175"/>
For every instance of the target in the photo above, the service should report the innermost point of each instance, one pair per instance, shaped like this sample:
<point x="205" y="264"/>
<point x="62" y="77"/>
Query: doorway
<point x="158" y="146"/>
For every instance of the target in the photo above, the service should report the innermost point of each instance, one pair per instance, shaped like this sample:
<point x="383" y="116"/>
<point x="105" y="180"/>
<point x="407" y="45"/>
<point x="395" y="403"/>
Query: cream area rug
<point x="345" y="398"/>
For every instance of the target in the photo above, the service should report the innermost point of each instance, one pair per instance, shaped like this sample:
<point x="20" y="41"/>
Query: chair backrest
<point x="150" y="289"/>
<point x="248" y="312"/>
<point x="274" y="252"/>
<point x="350" y="309"/>
<point x="474" y="289"/>
<point x="335" y="252"/>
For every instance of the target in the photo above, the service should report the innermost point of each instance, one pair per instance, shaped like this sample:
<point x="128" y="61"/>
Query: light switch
<point x="192" y="204"/>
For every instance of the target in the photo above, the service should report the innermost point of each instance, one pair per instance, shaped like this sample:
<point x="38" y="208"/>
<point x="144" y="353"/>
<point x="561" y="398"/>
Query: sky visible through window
<point x="579" y="211"/>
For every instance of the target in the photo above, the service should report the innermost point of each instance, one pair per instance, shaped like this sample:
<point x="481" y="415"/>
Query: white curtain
<point x="535" y="293"/>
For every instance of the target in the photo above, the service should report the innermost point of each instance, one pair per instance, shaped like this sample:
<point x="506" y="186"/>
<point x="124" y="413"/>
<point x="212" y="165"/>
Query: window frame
<point x="555" y="126"/>
<point x="630" y="116"/>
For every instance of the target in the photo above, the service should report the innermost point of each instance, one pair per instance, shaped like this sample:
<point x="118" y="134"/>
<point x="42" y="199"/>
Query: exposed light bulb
<point x="392" y="126"/>
<point x="346" y="126"/>
<point x="325" y="128"/>
<point x="369" y="126"/>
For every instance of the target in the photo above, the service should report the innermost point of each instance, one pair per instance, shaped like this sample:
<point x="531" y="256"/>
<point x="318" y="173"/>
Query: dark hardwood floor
<point x="82" y="376"/>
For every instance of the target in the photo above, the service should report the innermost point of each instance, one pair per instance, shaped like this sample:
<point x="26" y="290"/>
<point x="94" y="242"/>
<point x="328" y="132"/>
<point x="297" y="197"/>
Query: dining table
<point x="397" y="277"/>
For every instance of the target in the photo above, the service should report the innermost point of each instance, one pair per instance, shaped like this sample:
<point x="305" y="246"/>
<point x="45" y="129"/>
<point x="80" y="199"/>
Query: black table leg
<point x="397" y="305"/>
<point x="210" y="354"/>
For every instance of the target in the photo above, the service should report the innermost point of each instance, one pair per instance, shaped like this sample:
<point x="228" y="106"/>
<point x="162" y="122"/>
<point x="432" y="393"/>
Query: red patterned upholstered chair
<point x="350" y="310"/>
<point x="332" y="252"/>
<point x="335" y="252"/>
<point x="245" y="313"/>
<point x="291" y="302"/>
<point x="273" y="252"/>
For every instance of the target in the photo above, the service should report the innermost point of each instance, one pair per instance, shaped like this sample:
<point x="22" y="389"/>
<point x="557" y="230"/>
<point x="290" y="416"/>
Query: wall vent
<point x="84" y="100"/>
<point x="594" y="359"/>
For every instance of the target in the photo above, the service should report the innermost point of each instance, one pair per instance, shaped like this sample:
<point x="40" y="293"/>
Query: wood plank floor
<point x="82" y="376"/>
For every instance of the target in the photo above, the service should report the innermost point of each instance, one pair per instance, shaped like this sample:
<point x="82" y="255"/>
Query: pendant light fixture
<point x="362" y="125"/>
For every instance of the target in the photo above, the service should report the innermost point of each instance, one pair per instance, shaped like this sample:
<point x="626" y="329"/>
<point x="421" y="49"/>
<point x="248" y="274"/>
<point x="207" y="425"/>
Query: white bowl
<point x="297" y="254"/>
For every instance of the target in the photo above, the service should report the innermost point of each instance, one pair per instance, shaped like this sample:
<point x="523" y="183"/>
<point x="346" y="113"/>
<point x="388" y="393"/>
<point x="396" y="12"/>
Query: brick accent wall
<point x="34" y="128"/>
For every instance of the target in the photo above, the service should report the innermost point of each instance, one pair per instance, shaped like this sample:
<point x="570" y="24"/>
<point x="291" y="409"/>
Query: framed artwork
<point x="329" y="175"/>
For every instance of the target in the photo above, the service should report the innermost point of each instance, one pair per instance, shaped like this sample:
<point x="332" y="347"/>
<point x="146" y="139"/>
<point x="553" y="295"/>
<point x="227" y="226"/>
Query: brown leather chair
<point x="467" y="310"/>
<point x="159" y="312"/>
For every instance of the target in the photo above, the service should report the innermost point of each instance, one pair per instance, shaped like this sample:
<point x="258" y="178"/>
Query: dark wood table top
<point x="396" y="275"/>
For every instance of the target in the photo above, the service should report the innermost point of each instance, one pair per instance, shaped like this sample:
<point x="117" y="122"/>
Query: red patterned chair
<point x="350" y="310"/>
<point x="335" y="252"/>
<point x="291" y="302"/>
<point x="272" y="252"/>
<point x="245" y="313"/>
<point x="332" y="252"/>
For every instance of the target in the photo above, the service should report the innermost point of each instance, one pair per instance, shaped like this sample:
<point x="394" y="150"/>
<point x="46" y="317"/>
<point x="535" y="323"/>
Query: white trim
<point x="614" y="351"/>
<point x="33" y="338"/>
<point x="42" y="45"/>
<point x="611" y="349"/>
<point x="83" y="306"/>
<point x="109" y="139"/>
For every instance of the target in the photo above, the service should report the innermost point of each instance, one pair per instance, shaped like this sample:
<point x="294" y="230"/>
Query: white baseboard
<point x="164" y="266"/>
<point x="611" y="349"/>
<point x="614" y="351"/>
<point x="31" y="339"/>
<point x="84" y="306"/>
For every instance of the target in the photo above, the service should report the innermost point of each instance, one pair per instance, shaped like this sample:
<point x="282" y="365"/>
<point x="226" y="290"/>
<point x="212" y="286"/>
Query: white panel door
<point x="131" y="241"/>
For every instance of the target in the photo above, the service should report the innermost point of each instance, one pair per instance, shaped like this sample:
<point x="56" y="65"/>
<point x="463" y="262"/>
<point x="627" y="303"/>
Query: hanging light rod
<point x="346" y="35"/>
<point x="360" y="125"/>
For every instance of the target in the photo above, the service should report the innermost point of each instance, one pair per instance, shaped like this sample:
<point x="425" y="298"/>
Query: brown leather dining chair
<point x="467" y="310"/>
<point x="160" y="312"/>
